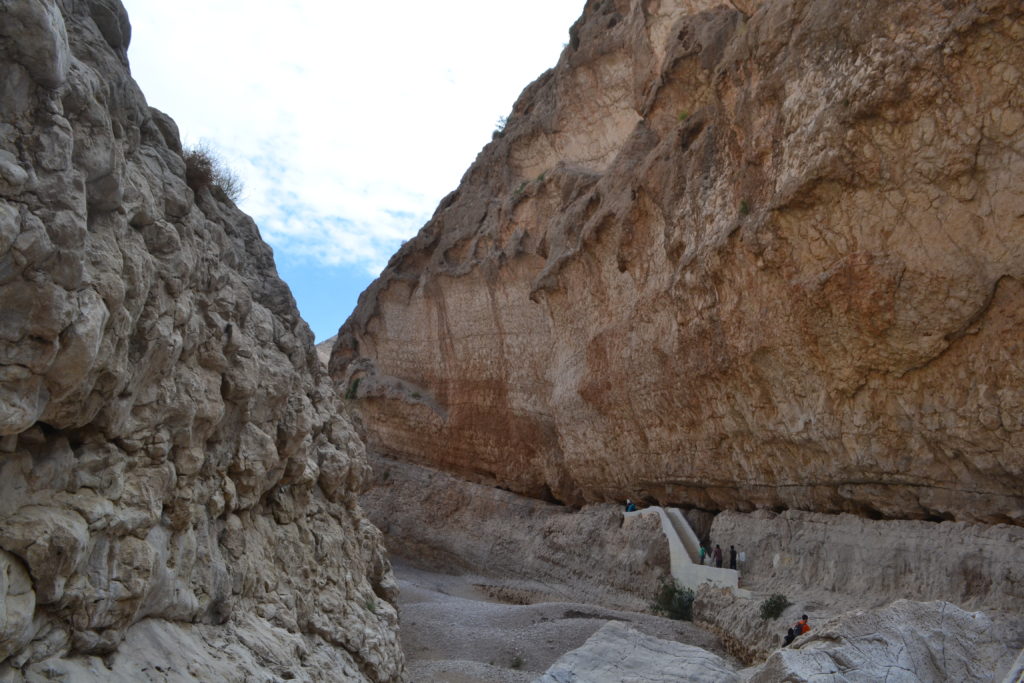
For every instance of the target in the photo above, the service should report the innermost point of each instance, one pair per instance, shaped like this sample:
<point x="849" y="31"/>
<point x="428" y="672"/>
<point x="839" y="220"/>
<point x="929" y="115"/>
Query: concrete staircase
<point x="684" y="553"/>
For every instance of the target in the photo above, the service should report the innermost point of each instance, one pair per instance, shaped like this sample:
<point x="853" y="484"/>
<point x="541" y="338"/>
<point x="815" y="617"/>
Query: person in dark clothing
<point x="717" y="556"/>
<point x="732" y="557"/>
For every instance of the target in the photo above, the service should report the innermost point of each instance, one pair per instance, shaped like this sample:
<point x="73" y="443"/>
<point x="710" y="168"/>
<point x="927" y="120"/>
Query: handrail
<point x="684" y="549"/>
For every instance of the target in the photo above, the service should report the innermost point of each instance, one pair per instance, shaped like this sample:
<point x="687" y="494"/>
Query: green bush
<point x="744" y="208"/>
<point x="205" y="168"/>
<point x="774" y="605"/>
<point x="674" y="602"/>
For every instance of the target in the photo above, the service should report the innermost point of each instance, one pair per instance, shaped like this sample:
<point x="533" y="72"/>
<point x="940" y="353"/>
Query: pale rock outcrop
<point x="620" y="654"/>
<point x="323" y="350"/>
<point x="906" y="641"/>
<point x="758" y="254"/>
<point x="177" y="489"/>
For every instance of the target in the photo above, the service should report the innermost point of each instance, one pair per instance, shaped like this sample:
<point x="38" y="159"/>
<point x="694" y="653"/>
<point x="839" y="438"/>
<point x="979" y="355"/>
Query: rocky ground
<point x="462" y="628"/>
<point x="501" y="579"/>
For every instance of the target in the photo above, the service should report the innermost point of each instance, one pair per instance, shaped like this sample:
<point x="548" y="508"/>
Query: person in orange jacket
<point x="798" y="629"/>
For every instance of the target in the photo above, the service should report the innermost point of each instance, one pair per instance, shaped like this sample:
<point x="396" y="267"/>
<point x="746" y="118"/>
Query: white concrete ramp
<point x="684" y="553"/>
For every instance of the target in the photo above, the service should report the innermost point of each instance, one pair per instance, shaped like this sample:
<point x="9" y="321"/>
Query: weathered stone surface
<point x="17" y="606"/>
<point x="769" y="258"/>
<point x="539" y="551"/>
<point x="323" y="350"/>
<point x="827" y="565"/>
<point x="907" y="641"/>
<point x="177" y="489"/>
<point x="871" y="563"/>
<point x="620" y="654"/>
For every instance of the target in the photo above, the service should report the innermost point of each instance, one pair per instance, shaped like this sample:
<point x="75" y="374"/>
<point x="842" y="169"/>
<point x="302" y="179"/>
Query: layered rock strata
<point x="728" y="259"/>
<point x="177" y="491"/>
<point x="847" y="561"/>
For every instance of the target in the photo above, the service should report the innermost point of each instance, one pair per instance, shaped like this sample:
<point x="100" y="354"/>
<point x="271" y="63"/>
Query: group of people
<point x="717" y="558"/>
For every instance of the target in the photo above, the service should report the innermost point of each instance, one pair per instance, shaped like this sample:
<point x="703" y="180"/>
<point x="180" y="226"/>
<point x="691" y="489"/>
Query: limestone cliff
<point x="757" y="254"/>
<point x="177" y="492"/>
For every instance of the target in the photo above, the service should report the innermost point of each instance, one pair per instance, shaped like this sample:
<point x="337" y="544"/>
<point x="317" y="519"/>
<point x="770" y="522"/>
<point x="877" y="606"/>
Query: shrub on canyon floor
<point x="674" y="602"/>
<point x="205" y="168"/>
<point x="774" y="605"/>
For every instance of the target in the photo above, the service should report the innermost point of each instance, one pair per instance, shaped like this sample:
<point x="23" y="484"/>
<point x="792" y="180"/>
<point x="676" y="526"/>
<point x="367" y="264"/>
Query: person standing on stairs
<point x="717" y="556"/>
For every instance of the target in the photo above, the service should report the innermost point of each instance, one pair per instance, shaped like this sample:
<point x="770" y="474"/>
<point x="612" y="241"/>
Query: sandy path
<point x="454" y="630"/>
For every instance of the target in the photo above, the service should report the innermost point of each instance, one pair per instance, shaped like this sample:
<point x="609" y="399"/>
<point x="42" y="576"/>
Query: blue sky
<point x="347" y="121"/>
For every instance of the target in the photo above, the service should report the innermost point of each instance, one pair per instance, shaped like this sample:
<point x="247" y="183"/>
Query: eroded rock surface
<point x="874" y="562"/>
<point x="826" y="565"/>
<point x="757" y="254"/>
<point x="906" y="641"/>
<point x="620" y="654"/>
<point x="176" y="488"/>
<point x="532" y="550"/>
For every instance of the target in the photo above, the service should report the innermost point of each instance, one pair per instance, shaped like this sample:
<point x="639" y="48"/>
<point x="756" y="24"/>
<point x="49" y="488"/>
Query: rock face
<point x="873" y="563"/>
<point x="827" y="565"/>
<point x="177" y="491"/>
<point x="728" y="259"/>
<point x="539" y="551"/>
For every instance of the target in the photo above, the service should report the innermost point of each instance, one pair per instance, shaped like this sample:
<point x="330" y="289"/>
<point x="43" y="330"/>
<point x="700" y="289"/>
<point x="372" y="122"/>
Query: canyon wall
<point x="177" y="489"/>
<point x="731" y="256"/>
<point x="851" y="562"/>
<point x="523" y="550"/>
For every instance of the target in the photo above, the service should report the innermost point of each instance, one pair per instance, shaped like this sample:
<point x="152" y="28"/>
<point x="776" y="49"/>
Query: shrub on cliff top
<point x="205" y="168"/>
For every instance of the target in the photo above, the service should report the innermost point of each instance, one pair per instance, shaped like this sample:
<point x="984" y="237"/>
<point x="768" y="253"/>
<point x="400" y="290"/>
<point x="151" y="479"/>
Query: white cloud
<point x="347" y="121"/>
